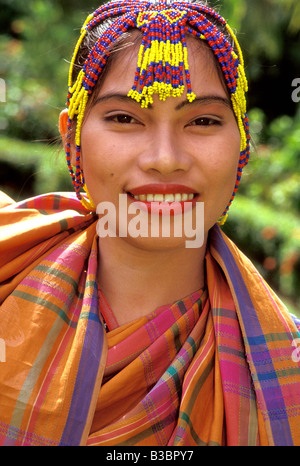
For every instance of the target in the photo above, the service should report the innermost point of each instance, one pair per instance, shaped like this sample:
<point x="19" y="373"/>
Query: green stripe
<point x="185" y="416"/>
<point x="57" y="273"/>
<point x="227" y="350"/>
<point x="276" y="374"/>
<point x="176" y="336"/>
<point x="63" y="224"/>
<point x="62" y="275"/>
<point x="45" y="303"/>
<point x="279" y="336"/>
<point x="172" y="372"/>
<point x="34" y="373"/>
<point x="56" y="202"/>
<point x="192" y="344"/>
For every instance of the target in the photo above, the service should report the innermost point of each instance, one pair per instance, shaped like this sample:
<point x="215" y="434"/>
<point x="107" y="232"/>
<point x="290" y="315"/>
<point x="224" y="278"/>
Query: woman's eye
<point x="122" y="118"/>
<point x="205" y="121"/>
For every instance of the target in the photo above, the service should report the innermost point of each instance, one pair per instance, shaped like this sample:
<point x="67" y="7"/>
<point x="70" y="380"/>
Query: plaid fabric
<point x="215" y="368"/>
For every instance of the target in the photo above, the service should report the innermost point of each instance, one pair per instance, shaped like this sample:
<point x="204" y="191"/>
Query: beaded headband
<point x="162" y="66"/>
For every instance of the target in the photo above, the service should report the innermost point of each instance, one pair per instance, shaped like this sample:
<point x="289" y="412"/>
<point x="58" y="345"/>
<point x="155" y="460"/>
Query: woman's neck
<point x="135" y="281"/>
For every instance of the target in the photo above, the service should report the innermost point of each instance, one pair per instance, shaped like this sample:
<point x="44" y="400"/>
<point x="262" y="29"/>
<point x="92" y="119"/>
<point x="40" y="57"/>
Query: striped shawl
<point x="215" y="368"/>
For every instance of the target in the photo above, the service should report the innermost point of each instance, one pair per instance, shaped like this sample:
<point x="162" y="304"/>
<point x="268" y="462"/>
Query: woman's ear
<point x="63" y="129"/>
<point x="63" y="124"/>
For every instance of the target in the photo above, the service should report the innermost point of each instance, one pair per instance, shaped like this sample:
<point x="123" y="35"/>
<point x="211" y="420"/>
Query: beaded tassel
<point x="162" y="66"/>
<point x="162" y="58"/>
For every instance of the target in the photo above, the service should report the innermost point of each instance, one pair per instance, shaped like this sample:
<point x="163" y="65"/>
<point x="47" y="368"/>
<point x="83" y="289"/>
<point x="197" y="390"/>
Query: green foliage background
<point x="36" y="42"/>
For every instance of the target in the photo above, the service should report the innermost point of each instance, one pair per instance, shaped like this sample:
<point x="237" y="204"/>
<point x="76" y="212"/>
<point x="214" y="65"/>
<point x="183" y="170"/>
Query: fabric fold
<point x="214" y="368"/>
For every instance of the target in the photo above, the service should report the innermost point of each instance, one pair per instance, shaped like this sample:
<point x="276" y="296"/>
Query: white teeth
<point x="178" y="197"/>
<point x="169" y="197"/>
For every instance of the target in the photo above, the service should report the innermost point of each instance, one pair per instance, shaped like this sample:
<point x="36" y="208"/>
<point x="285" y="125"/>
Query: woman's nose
<point x="165" y="154"/>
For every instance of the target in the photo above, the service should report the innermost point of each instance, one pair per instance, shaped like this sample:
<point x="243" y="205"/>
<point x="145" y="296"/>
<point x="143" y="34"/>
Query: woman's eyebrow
<point x="206" y="100"/>
<point x="115" y="96"/>
<point x="202" y="100"/>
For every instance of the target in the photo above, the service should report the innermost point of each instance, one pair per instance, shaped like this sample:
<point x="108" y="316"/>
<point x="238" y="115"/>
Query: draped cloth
<point x="215" y="368"/>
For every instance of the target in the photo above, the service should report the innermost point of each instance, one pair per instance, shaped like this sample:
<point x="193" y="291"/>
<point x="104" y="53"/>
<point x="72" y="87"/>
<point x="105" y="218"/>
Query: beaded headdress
<point x="162" y="66"/>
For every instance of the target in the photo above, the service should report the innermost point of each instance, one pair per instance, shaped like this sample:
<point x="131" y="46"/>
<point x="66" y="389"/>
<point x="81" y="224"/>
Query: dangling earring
<point x="87" y="203"/>
<point x="222" y="219"/>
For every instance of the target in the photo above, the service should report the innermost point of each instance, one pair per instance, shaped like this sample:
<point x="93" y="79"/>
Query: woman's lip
<point x="161" y="189"/>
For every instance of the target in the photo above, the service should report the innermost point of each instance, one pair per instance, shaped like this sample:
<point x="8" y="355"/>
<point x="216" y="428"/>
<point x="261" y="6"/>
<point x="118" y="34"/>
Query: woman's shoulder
<point x="33" y="226"/>
<point x="55" y="201"/>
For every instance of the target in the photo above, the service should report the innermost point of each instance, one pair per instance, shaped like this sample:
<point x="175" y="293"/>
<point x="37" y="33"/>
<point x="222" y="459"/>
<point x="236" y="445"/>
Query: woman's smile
<point x="163" y="192"/>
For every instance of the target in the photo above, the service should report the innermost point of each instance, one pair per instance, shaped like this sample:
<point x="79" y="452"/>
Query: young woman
<point x="119" y="338"/>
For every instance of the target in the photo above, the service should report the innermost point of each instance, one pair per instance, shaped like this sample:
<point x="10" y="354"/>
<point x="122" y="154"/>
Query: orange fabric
<point x="214" y="368"/>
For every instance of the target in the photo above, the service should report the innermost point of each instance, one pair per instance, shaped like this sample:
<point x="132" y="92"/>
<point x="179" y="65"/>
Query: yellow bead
<point x="88" y="203"/>
<point x="223" y="219"/>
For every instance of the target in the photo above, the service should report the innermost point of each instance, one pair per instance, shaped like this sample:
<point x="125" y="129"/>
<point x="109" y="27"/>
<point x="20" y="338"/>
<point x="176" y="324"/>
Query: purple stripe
<point x="271" y="391"/>
<point x="86" y="376"/>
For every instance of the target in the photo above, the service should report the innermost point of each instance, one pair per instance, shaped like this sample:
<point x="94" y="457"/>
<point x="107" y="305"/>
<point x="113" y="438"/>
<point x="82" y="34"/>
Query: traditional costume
<point x="218" y="367"/>
<point x="215" y="368"/>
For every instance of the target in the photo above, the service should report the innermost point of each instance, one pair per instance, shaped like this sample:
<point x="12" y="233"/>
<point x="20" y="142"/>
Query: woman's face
<point x="171" y="147"/>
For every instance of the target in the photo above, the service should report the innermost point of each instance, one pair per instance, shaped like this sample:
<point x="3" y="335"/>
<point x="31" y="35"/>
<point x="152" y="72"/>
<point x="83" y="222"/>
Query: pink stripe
<point x="43" y="287"/>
